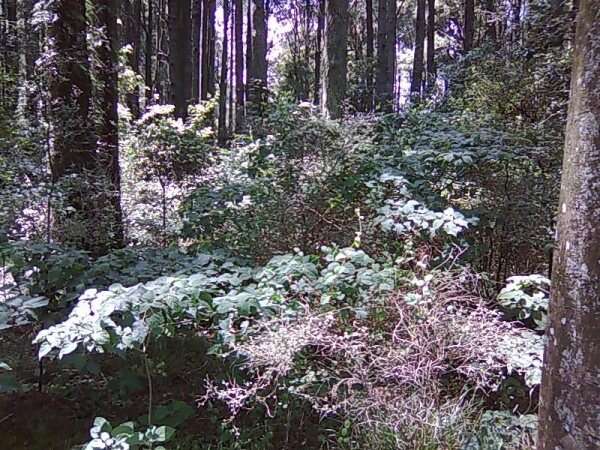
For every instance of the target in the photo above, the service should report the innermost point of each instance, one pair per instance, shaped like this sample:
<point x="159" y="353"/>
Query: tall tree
<point x="239" y="65"/>
<point x="569" y="409"/>
<point x="222" y="123"/>
<point x="416" y="82"/>
<point x="336" y="57"/>
<point x="248" y="43"/>
<point x="469" y="25"/>
<point x="370" y="54"/>
<point x="74" y="141"/>
<point x="133" y="30"/>
<point x="431" y="69"/>
<point x="149" y="52"/>
<point x="109" y="230"/>
<point x="386" y="55"/>
<point x="257" y="77"/>
<point x="196" y="43"/>
<point x="207" y="80"/>
<point x="180" y="72"/>
<point x="319" y="51"/>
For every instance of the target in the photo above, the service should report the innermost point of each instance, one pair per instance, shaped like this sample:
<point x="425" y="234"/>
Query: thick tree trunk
<point x="196" y="43"/>
<point x="386" y="55"/>
<point x="222" y="123"/>
<point x="109" y="231"/>
<point x="469" y="25"/>
<point x="336" y="58"/>
<point x="73" y="153"/>
<point x="569" y="409"/>
<point x="416" y="82"/>
<point x="319" y="51"/>
<point x="370" y="55"/>
<point x="239" y="66"/>
<point x="431" y="69"/>
<point x="180" y="55"/>
<point x="257" y="78"/>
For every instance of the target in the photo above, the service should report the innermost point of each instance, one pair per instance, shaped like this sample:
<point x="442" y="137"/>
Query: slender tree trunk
<point x="149" y="52"/>
<point x="431" y="69"/>
<point x="336" y="58"/>
<point x="248" y="44"/>
<point x="180" y="55"/>
<point x="222" y="131"/>
<point x="211" y="48"/>
<point x="257" y="84"/>
<point x="569" y="408"/>
<point x="416" y="82"/>
<point x="109" y="230"/>
<point x="319" y="50"/>
<point x="239" y="66"/>
<point x="231" y="124"/>
<point x="132" y="37"/>
<point x="386" y="55"/>
<point x="370" y="55"/>
<point x="469" y="25"/>
<point x="196" y="44"/>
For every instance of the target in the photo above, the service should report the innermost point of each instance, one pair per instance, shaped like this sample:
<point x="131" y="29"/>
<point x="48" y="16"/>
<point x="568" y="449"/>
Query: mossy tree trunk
<point x="570" y="393"/>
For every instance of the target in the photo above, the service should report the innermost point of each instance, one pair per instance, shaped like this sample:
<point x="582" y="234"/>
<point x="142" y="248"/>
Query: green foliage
<point x="502" y="430"/>
<point x="527" y="297"/>
<point x="124" y="436"/>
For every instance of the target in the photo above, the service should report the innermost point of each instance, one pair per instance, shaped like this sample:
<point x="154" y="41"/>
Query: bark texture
<point x="416" y="81"/>
<point x="180" y="71"/>
<point x="469" y="25"/>
<point x="431" y="68"/>
<point x="569" y="409"/>
<point x="386" y="55"/>
<point x="239" y="65"/>
<point x="370" y="54"/>
<point x="222" y="123"/>
<point x="257" y="78"/>
<point x="336" y="57"/>
<point x="109" y="229"/>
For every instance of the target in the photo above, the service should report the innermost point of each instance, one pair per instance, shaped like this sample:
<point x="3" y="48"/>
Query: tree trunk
<point x="469" y="25"/>
<point x="319" y="51"/>
<point x="133" y="11"/>
<point x="207" y="74"/>
<point x="386" y="55"/>
<point x="73" y="150"/>
<point x="239" y="66"/>
<point x="149" y="52"/>
<point x="196" y="43"/>
<point x="179" y="55"/>
<point x="416" y="82"/>
<point x="248" y="44"/>
<point x="431" y="69"/>
<point x="257" y="83"/>
<point x="336" y="58"/>
<point x="30" y="38"/>
<point x="109" y="230"/>
<point x="370" y="55"/>
<point x="569" y="407"/>
<point x="222" y="124"/>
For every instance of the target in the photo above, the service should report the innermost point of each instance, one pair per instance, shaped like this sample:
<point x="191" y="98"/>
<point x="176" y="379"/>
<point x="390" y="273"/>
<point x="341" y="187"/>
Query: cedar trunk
<point x="416" y="82"/>
<point x="336" y="57"/>
<point x="569" y="409"/>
